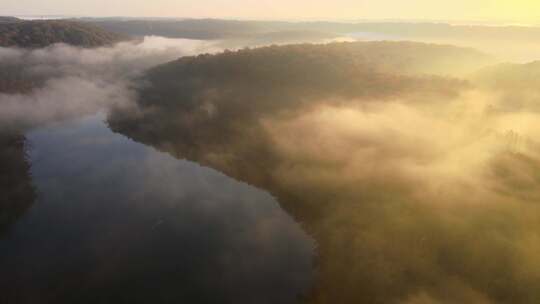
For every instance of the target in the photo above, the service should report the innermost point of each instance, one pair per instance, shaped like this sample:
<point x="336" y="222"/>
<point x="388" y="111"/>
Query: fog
<point x="435" y="203"/>
<point x="418" y="187"/>
<point x="413" y="194"/>
<point x="69" y="81"/>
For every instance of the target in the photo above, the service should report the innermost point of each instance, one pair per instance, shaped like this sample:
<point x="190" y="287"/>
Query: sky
<point x="506" y="11"/>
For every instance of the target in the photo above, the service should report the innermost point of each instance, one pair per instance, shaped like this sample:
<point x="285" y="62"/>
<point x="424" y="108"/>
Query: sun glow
<point x="500" y="11"/>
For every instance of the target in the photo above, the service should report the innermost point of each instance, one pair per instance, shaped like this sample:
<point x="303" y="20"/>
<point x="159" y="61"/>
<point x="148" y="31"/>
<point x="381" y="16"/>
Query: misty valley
<point x="219" y="161"/>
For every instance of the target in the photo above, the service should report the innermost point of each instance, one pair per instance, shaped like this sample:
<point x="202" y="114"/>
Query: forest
<point x="389" y="154"/>
<point x="223" y="28"/>
<point x="38" y="33"/>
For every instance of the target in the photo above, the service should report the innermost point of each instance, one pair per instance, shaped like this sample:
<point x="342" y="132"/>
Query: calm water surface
<point x="115" y="221"/>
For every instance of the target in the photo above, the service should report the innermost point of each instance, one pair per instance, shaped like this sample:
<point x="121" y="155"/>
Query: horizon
<point x="456" y="22"/>
<point x="522" y="12"/>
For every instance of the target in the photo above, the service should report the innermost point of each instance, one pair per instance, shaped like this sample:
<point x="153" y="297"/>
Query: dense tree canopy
<point x="36" y="34"/>
<point x="409" y="180"/>
<point x="16" y="190"/>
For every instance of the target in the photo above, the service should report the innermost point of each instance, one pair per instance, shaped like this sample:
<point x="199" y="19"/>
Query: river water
<point x="114" y="221"/>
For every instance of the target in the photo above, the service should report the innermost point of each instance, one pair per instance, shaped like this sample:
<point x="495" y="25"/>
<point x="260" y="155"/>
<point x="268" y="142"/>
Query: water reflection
<point x="16" y="191"/>
<point x="118" y="221"/>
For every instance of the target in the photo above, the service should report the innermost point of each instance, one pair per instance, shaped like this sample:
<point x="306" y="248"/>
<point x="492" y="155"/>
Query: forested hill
<point x="351" y="68"/>
<point x="222" y="29"/>
<point x="8" y="19"/>
<point x="38" y="34"/>
<point x="263" y="81"/>
<point x="508" y="43"/>
<point x="251" y="85"/>
<point x="418" y="176"/>
<point x="41" y="33"/>
<point x="335" y="58"/>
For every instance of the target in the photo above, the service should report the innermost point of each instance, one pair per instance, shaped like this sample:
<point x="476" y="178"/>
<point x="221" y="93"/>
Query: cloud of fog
<point x="443" y="138"/>
<point x="420" y="198"/>
<point x="435" y="202"/>
<point x="413" y="194"/>
<point x="69" y="81"/>
<point x="62" y="98"/>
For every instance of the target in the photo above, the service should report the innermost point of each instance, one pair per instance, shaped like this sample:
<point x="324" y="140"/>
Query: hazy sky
<point x="517" y="11"/>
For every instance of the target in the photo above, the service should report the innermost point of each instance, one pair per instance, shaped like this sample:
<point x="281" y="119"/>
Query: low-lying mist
<point x="415" y="168"/>
<point x="417" y="202"/>
<point x="417" y="189"/>
<point x="62" y="81"/>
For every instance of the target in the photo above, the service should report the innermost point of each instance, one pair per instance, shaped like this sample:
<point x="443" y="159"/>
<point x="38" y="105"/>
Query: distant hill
<point x="515" y="43"/>
<point x="515" y="84"/>
<point x="232" y="33"/>
<point x="220" y="29"/>
<point x="267" y="80"/>
<point x="193" y="97"/>
<point x="346" y="67"/>
<point x="42" y="33"/>
<point x="37" y="34"/>
<point x="511" y="75"/>
<point x="8" y="19"/>
<point x="252" y="83"/>
<point x="188" y="28"/>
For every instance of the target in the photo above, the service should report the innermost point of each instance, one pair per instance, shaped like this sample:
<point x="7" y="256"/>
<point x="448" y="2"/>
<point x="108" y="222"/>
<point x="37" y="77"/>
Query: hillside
<point x="231" y="33"/>
<point x="360" y="69"/>
<point x="514" y="43"/>
<point x="361" y="143"/>
<point x="37" y="34"/>
<point x="324" y="63"/>
<point x="17" y="192"/>
<point x="220" y="28"/>
<point x="516" y="85"/>
<point x="511" y="75"/>
<point x="187" y="28"/>
<point x="406" y="179"/>
<point x="4" y="19"/>
<point x="253" y="83"/>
